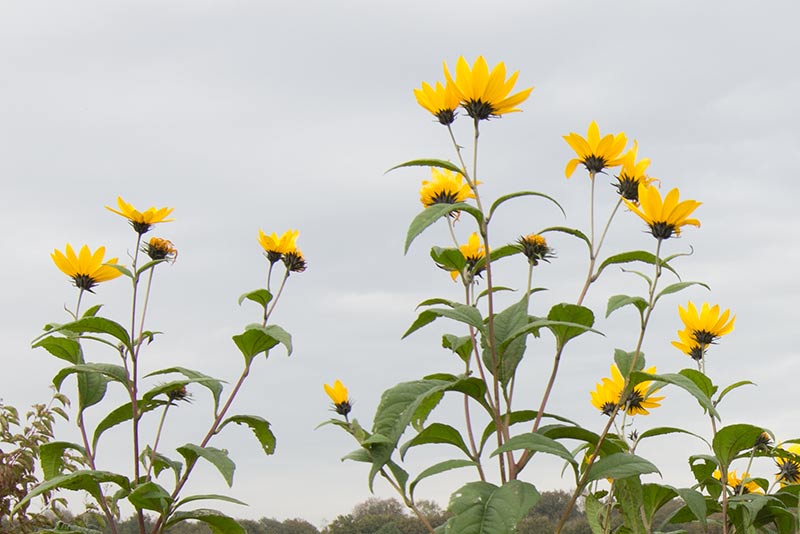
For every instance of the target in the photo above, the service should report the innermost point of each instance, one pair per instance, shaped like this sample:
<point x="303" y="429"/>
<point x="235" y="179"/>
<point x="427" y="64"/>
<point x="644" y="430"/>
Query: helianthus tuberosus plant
<point x="491" y="336"/>
<point x="101" y="353"/>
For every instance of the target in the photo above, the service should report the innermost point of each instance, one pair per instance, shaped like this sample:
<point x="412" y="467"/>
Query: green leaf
<point x="496" y="289"/>
<point x="620" y="465"/>
<point x="499" y="253"/>
<point x="51" y="456"/>
<point x="732" y="387"/>
<point x="700" y="380"/>
<point x="85" y="480"/>
<point x="257" y="339"/>
<point x="122" y="414"/>
<point x="161" y="462"/>
<point x="259" y="296"/>
<point x="260" y="428"/>
<point x="608" y="447"/>
<point x="580" y="316"/>
<point x="150" y="496"/>
<point x="682" y="382"/>
<point x="571" y="231"/>
<point x="117" y="373"/>
<point x="674" y="288"/>
<point x="618" y="301"/>
<point x="662" y="430"/>
<point x="594" y="508"/>
<point x="460" y="312"/>
<point x="431" y="214"/>
<point x="654" y="497"/>
<point x="521" y="416"/>
<point x="461" y="345"/>
<point x="429" y="162"/>
<point x="509" y="351"/>
<point x="535" y="442"/>
<point x="695" y="503"/>
<point x="218" y="522"/>
<point x="435" y="469"/>
<point x="212" y="384"/>
<point x="218" y="457"/>
<point x="208" y="496"/>
<point x="121" y="268"/>
<point x="449" y="259"/>
<point x="628" y="257"/>
<point x="504" y="198"/>
<point x="483" y="508"/>
<point x="627" y="362"/>
<point x="436" y="433"/>
<point x="98" y="325"/>
<point x="436" y="300"/>
<point x="91" y="389"/>
<point x="733" y="439"/>
<point x="92" y="310"/>
<point x="61" y="347"/>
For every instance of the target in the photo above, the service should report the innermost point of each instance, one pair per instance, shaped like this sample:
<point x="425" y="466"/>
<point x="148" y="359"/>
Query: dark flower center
<point x="628" y="188"/>
<point x="703" y="337"/>
<point x="608" y="408"/>
<point x="478" y="109"/>
<point x="446" y="116"/>
<point x="84" y="281"/>
<point x="343" y="408"/>
<point x="789" y="472"/>
<point x="140" y="227"/>
<point x="273" y="256"/>
<point x="294" y="262"/>
<point x="634" y="400"/>
<point x="696" y="352"/>
<point x="594" y="163"/>
<point x="662" y="230"/>
<point x="444" y="197"/>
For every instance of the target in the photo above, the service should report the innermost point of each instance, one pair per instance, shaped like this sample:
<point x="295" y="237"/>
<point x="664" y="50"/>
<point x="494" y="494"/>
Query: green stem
<point x="158" y="438"/>
<point x="268" y="311"/>
<point x="78" y="305"/>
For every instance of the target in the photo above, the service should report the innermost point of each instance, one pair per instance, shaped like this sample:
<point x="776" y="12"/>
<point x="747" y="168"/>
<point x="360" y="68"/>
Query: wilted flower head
<point x="664" y="217"/>
<point x="275" y="246"/>
<point x="594" y="152"/>
<point x="294" y="261"/>
<point x="160" y="249"/>
<point x="441" y="100"/>
<point x="534" y="247"/>
<point x="473" y="251"/>
<point x="141" y="221"/>
<point x="86" y="269"/>
<point x="632" y="174"/>
<point x="484" y="94"/>
<point x="445" y="187"/>
<point x="338" y="394"/>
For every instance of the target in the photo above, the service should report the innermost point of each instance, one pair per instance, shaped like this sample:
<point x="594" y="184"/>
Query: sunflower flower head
<point x="275" y="247"/>
<point x="141" y="221"/>
<point x="535" y="248"/>
<point x="294" y="261"/>
<point x="87" y="268"/>
<point x="444" y="187"/>
<point x="707" y="325"/>
<point x="632" y="174"/>
<point x="483" y="94"/>
<point x="788" y="468"/>
<point x="763" y="442"/>
<point x="179" y="393"/>
<point x="740" y="485"/>
<point x="338" y="394"/>
<point x="664" y="217"/>
<point x="160" y="249"/>
<point x="595" y="152"/>
<point x="473" y="251"/>
<point x="687" y="345"/>
<point x="441" y="100"/>
<point x="608" y="395"/>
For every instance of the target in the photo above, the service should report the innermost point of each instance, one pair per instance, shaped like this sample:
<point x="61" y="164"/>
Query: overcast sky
<point x="248" y="115"/>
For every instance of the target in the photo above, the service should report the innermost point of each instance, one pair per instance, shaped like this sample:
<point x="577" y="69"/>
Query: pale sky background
<point x="248" y="115"/>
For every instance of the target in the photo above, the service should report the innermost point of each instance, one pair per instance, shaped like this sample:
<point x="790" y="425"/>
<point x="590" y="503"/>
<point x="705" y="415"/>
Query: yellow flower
<point x="788" y="468"/>
<point x="535" y="248"/>
<point x="595" y="152"/>
<point x="688" y="345"/>
<point x="275" y="246"/>
<point x="632" y="174"/>
<point x="485" y="94"/>
<point x="706" y="326"/>
<point x="160" y="249"/>
<point x="740" y="486"/>
<point x="446" y="187"/>
<point x="608" y="394"/>
<point x="664" y="217"/>
<point x="86" y="269"/>
<point x="442" y="101"/>
<point x="141" y="220"/>
<point x="473" y="251"/>
<point x="338" y="394"/>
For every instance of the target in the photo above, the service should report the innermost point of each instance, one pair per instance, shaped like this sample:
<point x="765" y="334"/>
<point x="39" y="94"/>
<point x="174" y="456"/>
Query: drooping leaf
<point x="654" y="497"/>
<point x="662" y="430"/>
<point x="682" y="382"/>
<point x="51" y="455"/>
<point x="121" y="414"/>
<point x="218" y="522"/>
<point x="61" y="347"/>
<point x="620" y="301"/>
<point x="260" y="428"/>
<point x="509" y="351"/>
<point x="218" y="457"/>
<point x="161" y="462"/>
<point x="581" y="316"/>
<point x="496" y="204"/>
<point x="207" y="497"/>
<point x="86" y="480"/>
<point x="732" y="387"/>
<point x="435" y="469"/>
<point x="461" y="345"/>
<point x="635" y="255"/>
<point x="98" y="325"/>
<point x="536" y="442"/>
<point x="436" y="433"/>
<point x="627" y="362"/>
<point x="91" y="389"/>
<point x="212" y="384"/>
<point x="620" y="465"/>
<point x="117" y="373"/>
<point x="259" y="296"/>
<point x="729" y="441"/>
<point x="257" y="339"/>
<point x="483" y="508"/>
<point x="460" y="312"/>
<point x="570" y="231"/>
<point x="450" y="259"/>
<point x="150" y="496"/>
<point x="431" y="214"/>
<point x="679" y="286"/>
<point x="429" y="162"/>
<point x="521" y="416"/>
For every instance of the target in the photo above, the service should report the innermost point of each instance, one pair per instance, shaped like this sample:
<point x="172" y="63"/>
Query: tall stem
<point x="268" y="311"/>
<point x="134" y="386"/>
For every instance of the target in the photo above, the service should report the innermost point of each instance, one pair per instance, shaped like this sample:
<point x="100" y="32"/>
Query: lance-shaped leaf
<point x="619" y="301"/>
<point x="729" y="441"/>
<point x="733" y="386"/>
<point x="218" y="457"/>
<point x="536" y="442"/>
<point x="679" y="286"/>
<point x="628" y="257"/>
<point x="429" y="162"/>
<point x="450" y="259"/>
<point x="61" y="347"/>
<point x="629" y="496"/>
<point x="496" y="204"/>
<point x="212" y="384"/>
<point x="51" y="456"/>
<point x="662" y="430"/>
<point x="620" y="465"/>
<point x="97" y="325"/>
<point x="115" y="373"/>
<point x="150" y="496"/>
<point x="441" y="467"/>
<point x="436" y="433"/>
<point x="461" y="345"/>
<point x="483" y="508"/>
<point x="260" y="428"/>
<point x="682" y="382"/>
<point x="86" y="480"/>
<point x="259" y="296"/>
<point x="122" y="414"/>
<point x="507" y="351"/>
<point x="257" y="339"/>
<point x="569" y="231"/>
<point x="431" y="214"/>
<point x="218" y="522"/>
<point x="208" y="497"/>
<point x="521" y="416"/>
<point x="161" y="462"/>
<point x="459" y="312"/>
